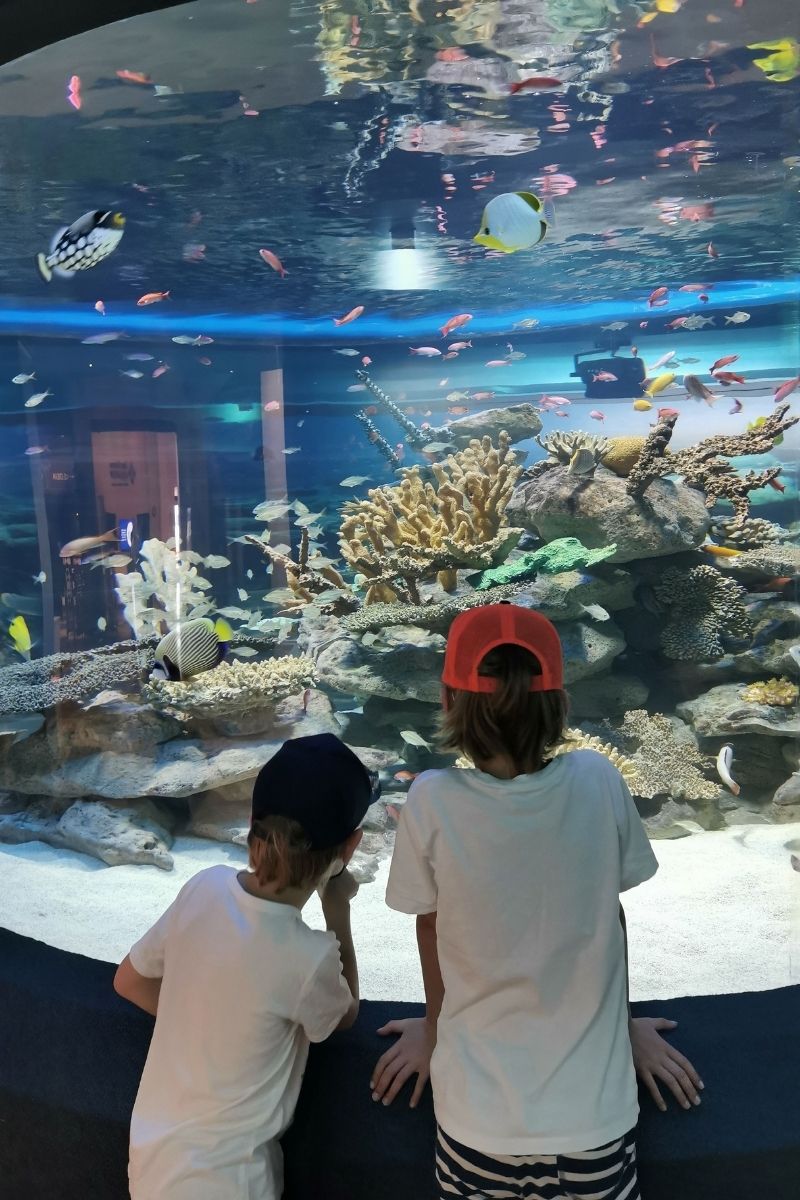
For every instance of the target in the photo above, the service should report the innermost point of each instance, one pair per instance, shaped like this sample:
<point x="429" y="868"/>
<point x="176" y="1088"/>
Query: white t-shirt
<point x="246" y="986"/>
<point x="533" y="1054"/>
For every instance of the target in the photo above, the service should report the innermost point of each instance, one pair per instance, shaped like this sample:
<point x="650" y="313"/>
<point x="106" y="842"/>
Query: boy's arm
<point x="627" y="969"/>
<point x="431" y="974"/>
<point x="139" y="989"/>
<point x="335" y="898"/>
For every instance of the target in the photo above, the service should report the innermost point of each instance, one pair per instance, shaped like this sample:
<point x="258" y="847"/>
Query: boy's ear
<point x="351" y="845"/>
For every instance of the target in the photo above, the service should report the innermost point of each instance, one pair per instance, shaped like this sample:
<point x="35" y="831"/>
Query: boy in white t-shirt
<point x="514" y="870"/>
<point x="239" y="985"/>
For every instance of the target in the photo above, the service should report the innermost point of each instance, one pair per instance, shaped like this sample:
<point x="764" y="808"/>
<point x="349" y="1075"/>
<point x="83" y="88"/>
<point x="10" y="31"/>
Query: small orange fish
<point x="455" y="323"/>
<point x="775" y="584"/>
<point x="728" y="377"/>
<point x="451" y="54"/>
<point x="536" y="83"/>
<point x="152" y="298"/>
<point x="482" y="396"/>
<point x="133" y="77"/>
<point x="723" y="362"/>
<point x="458" y="410"/>
<point x="658" y="298"/>
<point x="273" y="261"/>
<point x="777" y="485"/>
<point x="353" y="315"/>
<point x="405" y="776"/>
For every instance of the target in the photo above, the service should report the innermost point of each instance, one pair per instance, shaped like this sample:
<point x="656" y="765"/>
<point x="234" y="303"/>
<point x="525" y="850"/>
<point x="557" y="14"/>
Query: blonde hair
<point x="512" y="720"/>
<point x="280" y="854"/>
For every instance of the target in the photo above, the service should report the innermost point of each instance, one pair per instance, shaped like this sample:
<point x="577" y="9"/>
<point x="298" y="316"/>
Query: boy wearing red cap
<point x="514" y="869"/>
<point x="239" y="985"/>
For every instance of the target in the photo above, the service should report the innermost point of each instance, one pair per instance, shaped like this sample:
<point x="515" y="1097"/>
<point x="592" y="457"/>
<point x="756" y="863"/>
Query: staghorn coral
<point x="749" y="534"/>
<point x="576" y="739"/>
<point x="44" y="682"/>
<point x="232" y="687"/>
<point x="706" y="465"/>
<point x="416" y="529"/>
<point x="306" y="579"/>
<point x="778" y="693"/>
<point x="705" y="607"/>
<point x="165" y="590"/>
<point x="665" y="764"/>
<point x="562" y="445"/>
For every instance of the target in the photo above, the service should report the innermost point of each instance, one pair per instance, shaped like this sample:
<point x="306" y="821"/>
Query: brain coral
<point x="705" y="607"/>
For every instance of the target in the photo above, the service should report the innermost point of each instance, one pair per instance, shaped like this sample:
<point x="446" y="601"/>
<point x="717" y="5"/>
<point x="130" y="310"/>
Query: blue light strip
<point x="271" y="327"/>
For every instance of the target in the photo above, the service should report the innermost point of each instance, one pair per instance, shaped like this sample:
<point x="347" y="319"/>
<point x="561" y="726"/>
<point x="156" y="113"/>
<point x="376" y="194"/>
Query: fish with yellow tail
<point x="642" y="405"/>
<point x="81" y="245"/>
<point x="659" y="384"/>
<point x="20" y="635"/>
<point x="512" y="221"/>
<point x="724" y="765"/>
<point x="720" y="551"/>
<point x="783" y="64"/>
<point x="191" y="648"/>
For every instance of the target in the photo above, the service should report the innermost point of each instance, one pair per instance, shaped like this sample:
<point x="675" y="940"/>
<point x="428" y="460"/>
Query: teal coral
<point x="563" y="554"/>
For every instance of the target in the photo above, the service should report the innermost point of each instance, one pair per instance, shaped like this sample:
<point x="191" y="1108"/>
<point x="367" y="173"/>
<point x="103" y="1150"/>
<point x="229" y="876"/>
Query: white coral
<point x="165" y="590"/>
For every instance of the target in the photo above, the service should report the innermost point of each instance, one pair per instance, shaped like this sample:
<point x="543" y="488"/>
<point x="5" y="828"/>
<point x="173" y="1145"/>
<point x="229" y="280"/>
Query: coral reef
<point x="44" y="682"/>
<point x="666" y="763"/>
<point x="707" y="465"/>
<point x="705" y="608"/>
<point x="410" y="531"/>
<point x="749" y="533"/>
<point x="623" y="454"/>
<point x="562" y="445"/>
<point x="576" y="739"/>
<point x="305" y="579"/>
<point x="778" y="693"/>
<point x="781" y="561"/>
<point x="564" y="554"/>
<point x="436" y="617"/>
<point x="166" y="589"/>
<point x="232" y="687"/>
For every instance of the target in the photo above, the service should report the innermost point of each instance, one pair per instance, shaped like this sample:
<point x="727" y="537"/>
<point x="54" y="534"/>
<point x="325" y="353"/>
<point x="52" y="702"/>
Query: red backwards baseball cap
<point x="475" y="632"/>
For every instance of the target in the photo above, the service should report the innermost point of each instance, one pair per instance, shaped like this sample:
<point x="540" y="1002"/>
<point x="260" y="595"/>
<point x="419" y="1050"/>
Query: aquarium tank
<point x="322" y="323"/>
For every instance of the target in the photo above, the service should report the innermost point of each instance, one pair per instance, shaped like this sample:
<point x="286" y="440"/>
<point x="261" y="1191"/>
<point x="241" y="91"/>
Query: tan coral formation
<point x="576" y="739"/>
<point x="778" y="693"/>
<point x="305" y="578"/>
<point x="416" y="529"/>
<point x="232" y="687"/>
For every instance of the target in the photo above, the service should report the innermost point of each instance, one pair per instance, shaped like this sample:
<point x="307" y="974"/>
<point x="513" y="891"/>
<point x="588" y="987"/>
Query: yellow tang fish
<point x="642" y="405"/>
<point x="783" y="64"/>
<point x="20" y="635"/>
<point x="660" y="384"/>
<point x="512" y="221"/>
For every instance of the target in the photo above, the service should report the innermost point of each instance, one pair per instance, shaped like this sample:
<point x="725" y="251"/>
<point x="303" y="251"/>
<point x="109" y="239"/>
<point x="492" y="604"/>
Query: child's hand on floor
<point x="654" y="1058"/>
<point x="410" y="1055"/>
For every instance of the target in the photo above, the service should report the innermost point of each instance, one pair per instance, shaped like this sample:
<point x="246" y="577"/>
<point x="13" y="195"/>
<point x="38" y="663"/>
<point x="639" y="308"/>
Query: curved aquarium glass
<point x="272" y="414"/>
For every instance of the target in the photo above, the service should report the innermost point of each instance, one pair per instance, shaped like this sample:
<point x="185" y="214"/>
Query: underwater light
<point x="405" y="270"/>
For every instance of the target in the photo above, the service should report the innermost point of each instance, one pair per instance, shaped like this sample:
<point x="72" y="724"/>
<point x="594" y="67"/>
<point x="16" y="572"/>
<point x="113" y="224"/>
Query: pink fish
<point x="786" y="389"/>
<point x="552" y="402"/>
<point x="460" y="346"/>
<point x="725" y="361"/>
<point x="451" y="354"/>
<point x="160" y="370"/>
<point x="696" y="287"/>
<point x="272" y="406"/>
<point x="425" y="351"/>
<point x="100" y="308"/>
<point x="737" y="406"/>
<point x="273" y="261"/>
<point x="400" y="451"/>
<point x="353" y="315"/>
<point x="604" y="377"/>
<point x="74" y="92"/>
<point x="669" y="412"/>
<point x="658" y="298"/>
<point x="678" y="323"/>
<point x="498" y="362"/>
<point x="596" y="415"/>
<point x="455" y="323"/>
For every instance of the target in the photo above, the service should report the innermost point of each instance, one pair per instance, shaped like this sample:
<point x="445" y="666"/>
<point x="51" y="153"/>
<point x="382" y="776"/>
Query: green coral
<point x="563" y="554"/>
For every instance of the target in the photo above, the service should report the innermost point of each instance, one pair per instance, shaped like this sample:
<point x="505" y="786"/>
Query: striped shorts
<point x="607" y="1173"/>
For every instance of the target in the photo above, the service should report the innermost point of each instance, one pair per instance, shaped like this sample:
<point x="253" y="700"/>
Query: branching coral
<point x="44" y="682"/>
<point x="576" y="739"/>
<point x="232" y="688"/>
<point x="165" y="590"/>
<point x="778" y="693"/>
<point x="562" y="445"/>
<point x="706" y="465"/>
<point x="415" y="529"/>
<point x="705" y="607"/>
<point x="305" y="578"/>
<point x="664" y="764"/>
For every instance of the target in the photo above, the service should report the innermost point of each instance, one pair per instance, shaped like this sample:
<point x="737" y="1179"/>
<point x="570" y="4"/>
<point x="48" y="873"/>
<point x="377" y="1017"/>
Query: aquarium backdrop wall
<point x="270" y="416"/>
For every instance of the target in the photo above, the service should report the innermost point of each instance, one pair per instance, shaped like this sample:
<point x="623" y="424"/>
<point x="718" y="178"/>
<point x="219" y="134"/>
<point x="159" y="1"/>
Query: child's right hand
<point x="410" y="1055"/>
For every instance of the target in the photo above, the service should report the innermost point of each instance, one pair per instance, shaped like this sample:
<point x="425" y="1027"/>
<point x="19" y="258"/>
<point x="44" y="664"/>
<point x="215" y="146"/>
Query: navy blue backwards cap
<point x="318" y="782"/>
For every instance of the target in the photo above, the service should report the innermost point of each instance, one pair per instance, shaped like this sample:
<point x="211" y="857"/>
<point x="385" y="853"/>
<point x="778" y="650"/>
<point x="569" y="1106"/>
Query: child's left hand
<point x="654" y="1059"/>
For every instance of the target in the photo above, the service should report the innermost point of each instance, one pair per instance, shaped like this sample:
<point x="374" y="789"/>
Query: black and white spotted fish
<point x="191" y="648"/>
<point x="81" y="245"/>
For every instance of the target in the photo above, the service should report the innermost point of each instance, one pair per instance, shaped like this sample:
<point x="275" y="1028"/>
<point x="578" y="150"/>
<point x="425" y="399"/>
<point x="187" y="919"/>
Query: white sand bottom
<point x="721" y="915"/>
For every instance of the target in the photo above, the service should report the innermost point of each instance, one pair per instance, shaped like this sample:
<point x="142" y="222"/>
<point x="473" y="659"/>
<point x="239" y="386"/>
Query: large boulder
<point x="589" y="648"/>
<point x="519" y="421"/>
<point x="597" y="510"/>
<point x="114" y="833"/>
<point x="722" y="712"/>
<point x="402" y="662"/>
